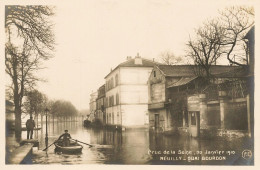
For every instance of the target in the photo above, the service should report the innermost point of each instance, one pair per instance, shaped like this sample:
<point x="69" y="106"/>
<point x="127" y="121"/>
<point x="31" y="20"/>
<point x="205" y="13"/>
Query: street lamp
<point x="46" y="137"/>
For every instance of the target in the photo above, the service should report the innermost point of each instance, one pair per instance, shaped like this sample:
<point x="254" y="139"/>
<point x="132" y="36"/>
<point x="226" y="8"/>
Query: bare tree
<point x="29" y="41"/>
<point x="206" y="47"/>
<point x="236" y="21"/>
<point x="34" y="103"/>
<point x="222" y="36"/>
<point x="169" y="58"/>
<point x="63" y="109"/>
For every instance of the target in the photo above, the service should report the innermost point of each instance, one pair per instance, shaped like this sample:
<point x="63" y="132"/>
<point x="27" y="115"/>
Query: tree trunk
<point x="18" y="122"/>
<point x="17" y="106"/>
<point x="36" y="117"/>
<point x="53" y="120"/>
<point x="41" y="120"/>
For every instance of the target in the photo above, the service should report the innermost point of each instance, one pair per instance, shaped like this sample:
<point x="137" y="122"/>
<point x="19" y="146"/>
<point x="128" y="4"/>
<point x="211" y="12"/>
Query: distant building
<point x="92" y="106"/>
<point x="180" y="100"/>
<point x="100" y="103"/>
<point x="127" y="93"/>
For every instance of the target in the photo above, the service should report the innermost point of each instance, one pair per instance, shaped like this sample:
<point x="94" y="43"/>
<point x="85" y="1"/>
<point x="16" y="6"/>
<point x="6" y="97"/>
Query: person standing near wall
<point x="30" y="124"/>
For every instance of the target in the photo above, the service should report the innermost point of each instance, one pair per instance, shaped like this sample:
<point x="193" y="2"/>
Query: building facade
<point x="180" y="101"/>
<point x="127" y="93"/>
<point x="100" y="103"/>
<point x="93" y="106"/>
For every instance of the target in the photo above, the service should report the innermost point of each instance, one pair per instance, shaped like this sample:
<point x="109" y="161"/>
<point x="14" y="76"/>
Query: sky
<point x="93" y="36"/>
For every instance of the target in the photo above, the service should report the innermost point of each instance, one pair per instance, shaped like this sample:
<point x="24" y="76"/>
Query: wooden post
<point x="223" y="106"/>
<point x="183" y="118"/>
<point x="248" y="115"/>
<point x="203" y="111"/>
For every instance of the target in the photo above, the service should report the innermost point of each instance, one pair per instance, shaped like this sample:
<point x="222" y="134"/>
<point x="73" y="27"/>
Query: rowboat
<point x="73" y="148"/>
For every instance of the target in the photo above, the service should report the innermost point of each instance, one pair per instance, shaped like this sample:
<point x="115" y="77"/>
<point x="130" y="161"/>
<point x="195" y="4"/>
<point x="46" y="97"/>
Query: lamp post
<point x="46" y="137"/>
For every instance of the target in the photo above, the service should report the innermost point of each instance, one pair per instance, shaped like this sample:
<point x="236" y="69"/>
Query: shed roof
<point x="190" y="70"/>
<point x="182" y="81"/>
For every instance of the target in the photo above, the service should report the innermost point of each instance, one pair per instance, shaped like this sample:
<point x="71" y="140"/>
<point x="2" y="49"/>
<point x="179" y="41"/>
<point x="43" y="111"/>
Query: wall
<point x="99" y="114"/>
<point x="134" y="115"/>
<point x="134" y="75"/>
<point x="157" y="93"/>
<point x="113" y="116"/>
<point x="164" y="120"/>
<point x="236" y="116"/>
<point x="134" y="95"/>
<point x="156" y="87"/>
<point x="228" y="115"/>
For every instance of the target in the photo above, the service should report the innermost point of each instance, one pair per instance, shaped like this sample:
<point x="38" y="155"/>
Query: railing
<point x="235" y="89"/>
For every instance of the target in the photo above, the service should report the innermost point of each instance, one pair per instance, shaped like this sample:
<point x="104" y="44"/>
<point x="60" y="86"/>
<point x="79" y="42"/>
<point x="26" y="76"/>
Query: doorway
<point x="156" y="122"/>
<point x="194" y="124"/>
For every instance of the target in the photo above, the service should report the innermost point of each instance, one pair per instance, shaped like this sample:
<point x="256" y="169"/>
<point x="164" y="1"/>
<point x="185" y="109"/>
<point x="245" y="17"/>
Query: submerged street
<point x="137" y="147"/>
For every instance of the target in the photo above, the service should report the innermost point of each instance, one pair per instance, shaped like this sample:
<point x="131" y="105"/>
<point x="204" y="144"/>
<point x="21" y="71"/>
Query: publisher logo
<point x="246" y="154"/>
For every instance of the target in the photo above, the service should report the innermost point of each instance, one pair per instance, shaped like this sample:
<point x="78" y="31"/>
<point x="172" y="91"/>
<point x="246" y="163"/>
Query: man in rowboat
<point x="65" y="138"/>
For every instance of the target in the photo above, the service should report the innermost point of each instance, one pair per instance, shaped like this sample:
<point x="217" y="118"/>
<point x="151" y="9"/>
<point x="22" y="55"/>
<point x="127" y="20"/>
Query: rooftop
<point x="136" y="62"/>
<point x="190" y="70"/>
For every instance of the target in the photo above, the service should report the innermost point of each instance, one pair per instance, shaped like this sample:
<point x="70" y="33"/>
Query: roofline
<point x="120" y="65"/>
<point x="161" y="71"/>
<point x="251" y="31"/>
<point x="191" y="66"/>
<point x="192" y="78"/>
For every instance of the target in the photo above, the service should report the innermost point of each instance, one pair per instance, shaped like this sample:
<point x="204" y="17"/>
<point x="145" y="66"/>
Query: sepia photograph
<point x="134" y="82"/>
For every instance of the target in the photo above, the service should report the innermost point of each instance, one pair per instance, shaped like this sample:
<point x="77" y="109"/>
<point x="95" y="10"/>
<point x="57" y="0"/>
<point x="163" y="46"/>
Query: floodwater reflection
<point x="135" y="147"/>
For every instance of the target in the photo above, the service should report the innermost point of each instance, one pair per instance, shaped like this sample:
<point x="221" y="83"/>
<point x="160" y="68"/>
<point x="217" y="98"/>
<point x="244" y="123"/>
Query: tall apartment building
<point x="127" y="93"/>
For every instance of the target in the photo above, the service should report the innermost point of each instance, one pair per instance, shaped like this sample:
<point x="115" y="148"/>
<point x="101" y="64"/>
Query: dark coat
<point x="65" y="136"/>
<point x="30" y="124"/>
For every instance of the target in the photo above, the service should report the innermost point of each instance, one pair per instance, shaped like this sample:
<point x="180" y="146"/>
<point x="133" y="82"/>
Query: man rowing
<point x="65" y="138"/>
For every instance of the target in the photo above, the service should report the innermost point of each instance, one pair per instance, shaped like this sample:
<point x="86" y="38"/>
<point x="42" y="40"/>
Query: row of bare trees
<point x="29" y="42"/>
<point x="36" y="104"/>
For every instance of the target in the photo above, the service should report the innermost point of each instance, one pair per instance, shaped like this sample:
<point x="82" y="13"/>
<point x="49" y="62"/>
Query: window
<point x="111" y="101"/>
<point x="112" y="98"/>
<point x="193" y="118"/>
<point x="116" y="83"/>
<point x="118" y="118"/>
<point x="112" y="82"/>
<point x="107" y="102"/>
<point x="154" y="73"/>
<point x="117" y="99"/>
<point x="112" y="118"/>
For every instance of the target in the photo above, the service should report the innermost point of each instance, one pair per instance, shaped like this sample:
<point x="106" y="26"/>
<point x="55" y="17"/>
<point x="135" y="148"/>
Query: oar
<point x="49" y="145"/>
<point x="82" y="142"/>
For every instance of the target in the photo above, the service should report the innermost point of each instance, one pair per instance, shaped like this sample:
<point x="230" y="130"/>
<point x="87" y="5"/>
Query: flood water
<point x="137" y="147"/>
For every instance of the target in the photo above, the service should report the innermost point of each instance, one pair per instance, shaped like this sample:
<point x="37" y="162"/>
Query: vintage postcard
<point x="147" y="82"/>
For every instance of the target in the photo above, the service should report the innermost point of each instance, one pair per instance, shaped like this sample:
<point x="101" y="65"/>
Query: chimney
<point x="128" y="58"/>
<point x="137" y="56"/>
<point x="138" y="60"/>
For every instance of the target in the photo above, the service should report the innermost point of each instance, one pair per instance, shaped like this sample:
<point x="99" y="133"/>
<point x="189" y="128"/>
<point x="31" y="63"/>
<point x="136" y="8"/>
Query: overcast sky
<point x="94" y="36"/>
